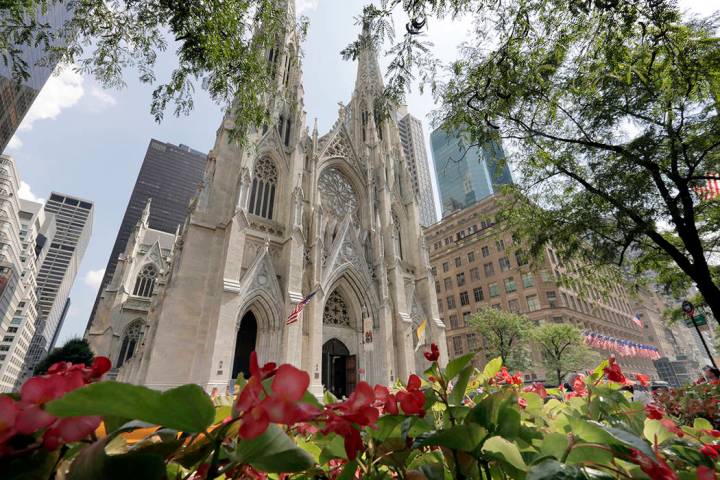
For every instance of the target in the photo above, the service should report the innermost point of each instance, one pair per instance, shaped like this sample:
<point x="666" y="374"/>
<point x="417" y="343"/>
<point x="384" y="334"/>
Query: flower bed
<point x="455" y="422"/>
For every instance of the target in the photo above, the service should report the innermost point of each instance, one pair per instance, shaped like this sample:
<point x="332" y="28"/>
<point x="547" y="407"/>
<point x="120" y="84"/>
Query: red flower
<point x="433" y="354"/>
<point x="655" y="468"/>
<point x="267" y="371"/>
<point x="8" y="414"/>
<point x="342" y="418"/>
<point x="672" y="427"/>
<point x="654" y="412"/>
<point x="706" y="473"/>
<point x="579" y="388"/>
<point x="522" y="402"/>
<point x="713" y="433"/>
<point x="67" y="430"/>
<point x="412" y="401"/>
<point x="643" y="379"/>
<point x="538" y="388"/>
<point x="503" y="376"/>
<point x="614" y="373"/>
<point x="385" y="400"/>
<point x="712" y="451"/>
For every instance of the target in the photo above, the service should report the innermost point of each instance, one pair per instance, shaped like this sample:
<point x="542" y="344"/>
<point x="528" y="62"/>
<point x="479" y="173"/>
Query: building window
<point x="145" y="282"/>
<point x="479" y="295"/>
<point x="489" y="269"/>
<point x="471" y="257"/>
<point x="532" y="302"/>
<point x="494" y="290"/>
<point x="514" y="305"/>
<point x="500" y="244"/>
<point x="546" y="276"/>
<point x="437" y="287"/>
<point x="557" y="319"/>
<point x="510" y="285"/>
<point x="131" y="338"/>
<point x="528" y="280"/>
<point x="475" y="273"/>
<point x="451" y="302"/>
<point x="464" y="299"/>
<point x="485" y="251"/>
<point x="460" y="279"/>
<point x="458" y="262"/>
<point x="472" y="342"/>
<point x="434" y="271"/>
<point x="262" y="194"/>
<point x="440" y="306"/>
<point x="504" y="264"/>
<point x="552" y="299"/>
<point x="446" y="267"/>
<point x="457" y="345"/>
<point x="466" y="318"/>
<point x="454" y="322"/>
<point x="521" y="258"/>
<point x="448" y="283"/>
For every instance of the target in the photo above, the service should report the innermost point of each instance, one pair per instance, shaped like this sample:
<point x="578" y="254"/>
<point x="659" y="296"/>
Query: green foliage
<point x="613" y="109"/>
<point x="563" y="350"/>
<point x="220" y="47"/>
<point x="76" y="350"/>
<point x="505" y="335"/>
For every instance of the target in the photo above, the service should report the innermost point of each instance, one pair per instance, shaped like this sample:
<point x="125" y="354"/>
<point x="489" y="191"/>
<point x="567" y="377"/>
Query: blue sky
<point x="82" y="140"/>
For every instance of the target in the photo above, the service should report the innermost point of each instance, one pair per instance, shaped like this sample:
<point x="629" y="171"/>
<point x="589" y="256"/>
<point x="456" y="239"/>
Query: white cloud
<point x="60" y="92"/>
<point x="93" y="278"/>
<point x="101" y="99"/>
<point x="15" y="143"/>
<point x="25" y="192"/>
<point x="306" y="5"/>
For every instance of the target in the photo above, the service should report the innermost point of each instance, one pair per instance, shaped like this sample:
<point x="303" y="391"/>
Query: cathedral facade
<point x="291" y="213"/>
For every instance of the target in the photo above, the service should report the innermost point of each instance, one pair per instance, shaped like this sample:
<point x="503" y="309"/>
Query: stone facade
<point x="124" y="305"/>
<point x="475" y="265"/>
<point x="292" y="213"/>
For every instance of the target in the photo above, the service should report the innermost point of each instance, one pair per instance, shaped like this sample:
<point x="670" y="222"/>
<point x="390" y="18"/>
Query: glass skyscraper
<point x="170" y="176"/>
<point x="17" y="95"/>
<point x="466" y="174"/>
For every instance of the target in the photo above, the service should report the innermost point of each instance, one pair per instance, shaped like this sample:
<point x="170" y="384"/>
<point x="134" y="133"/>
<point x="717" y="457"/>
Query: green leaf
<point x="455" y="366"/>
<point x="349" y="470"/>
<point x="653" y="429"/>
<point x="333" y="446"/>
<point x="273" y="452"/>
<point x="554" y="470"/>
<point x="627" y="439"/>
<point x="458" y="393"/>
<point x="93" y="463"/>
<point x="38" y="465"/>
<point x="492" y="368"/>
<point x="461" y="437"/>
<point x="506" y="450"/>
<point x="187" y="408"/>
<point x="386" y="426"/>
<point x="554" y="445"/>
<point x="702" y="424"/>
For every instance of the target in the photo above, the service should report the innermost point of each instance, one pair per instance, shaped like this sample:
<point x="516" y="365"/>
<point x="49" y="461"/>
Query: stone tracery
<point x="336" y="311"/>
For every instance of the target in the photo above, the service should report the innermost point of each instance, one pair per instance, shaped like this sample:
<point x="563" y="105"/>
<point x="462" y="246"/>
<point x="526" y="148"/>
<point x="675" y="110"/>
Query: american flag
<point x="299" y="308"/>
<point x="711" y="189"/>
<point x="636" y="320"/>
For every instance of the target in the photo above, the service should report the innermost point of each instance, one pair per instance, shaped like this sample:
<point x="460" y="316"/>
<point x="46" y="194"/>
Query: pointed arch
<point x="145" y="281"/>
<point x="130" y="340"/>
<point x="263" y="187"/>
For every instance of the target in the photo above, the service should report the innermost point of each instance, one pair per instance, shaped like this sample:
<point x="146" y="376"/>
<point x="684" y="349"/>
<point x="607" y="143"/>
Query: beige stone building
<point x="292" y="213"/>
<point x="475" y="265"/>
<point x="122" y="313"/>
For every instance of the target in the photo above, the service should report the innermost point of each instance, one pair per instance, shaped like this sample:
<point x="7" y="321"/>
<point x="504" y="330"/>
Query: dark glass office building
<point x="170" y="176"/>
<point x="466" y="174"/>
<point x="16" y="96"/>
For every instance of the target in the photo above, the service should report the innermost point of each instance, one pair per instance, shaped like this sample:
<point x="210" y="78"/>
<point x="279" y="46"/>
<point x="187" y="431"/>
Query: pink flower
<point x="522" y="402"/>
<point x="706" y="473"/>
<point x="538" y="388"/>
<point x="654" y="412"/>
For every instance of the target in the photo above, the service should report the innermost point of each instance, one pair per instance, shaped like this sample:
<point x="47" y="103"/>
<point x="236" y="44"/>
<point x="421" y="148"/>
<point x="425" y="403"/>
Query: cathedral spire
<point x="369" y="79"/>
<point x="145" y="218"/>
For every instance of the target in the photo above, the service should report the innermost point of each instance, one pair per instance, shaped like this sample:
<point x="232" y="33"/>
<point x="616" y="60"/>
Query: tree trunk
<point x="559" y="374"/>
<point x="711" y="294"/>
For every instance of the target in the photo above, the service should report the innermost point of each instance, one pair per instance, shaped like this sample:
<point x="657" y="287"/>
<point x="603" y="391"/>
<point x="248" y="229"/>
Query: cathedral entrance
<point x="244" y="345"/>
<point x="339" y="368"/>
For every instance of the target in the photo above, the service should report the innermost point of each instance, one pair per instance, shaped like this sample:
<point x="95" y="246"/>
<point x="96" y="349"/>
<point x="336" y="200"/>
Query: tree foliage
<point x="611" y="112"/>
<point x="505" y="335"/>
<point x="76" y="350"/>
<point x="563" y="350"/>
<point x="220" y="47"/>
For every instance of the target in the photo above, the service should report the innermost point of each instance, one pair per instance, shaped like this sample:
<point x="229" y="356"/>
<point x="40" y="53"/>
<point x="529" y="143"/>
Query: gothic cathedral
<point x="292" y="213"/>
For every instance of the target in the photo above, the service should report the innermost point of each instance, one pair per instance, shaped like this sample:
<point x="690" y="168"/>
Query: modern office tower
<point x="73" y="217"/>
<point x="10" y="243"/>
<point x="466" y="174"/>
<point x="169" y="176"/>
<point x="16" y="96"/>
<point x="36" y="232"/>
<point x="476" y="265"/>
<point x="413" y="143"/>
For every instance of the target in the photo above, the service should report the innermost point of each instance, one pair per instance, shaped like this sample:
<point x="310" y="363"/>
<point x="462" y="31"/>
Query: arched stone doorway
<point x="244" y="345"/>
<point x="339" y="368"/>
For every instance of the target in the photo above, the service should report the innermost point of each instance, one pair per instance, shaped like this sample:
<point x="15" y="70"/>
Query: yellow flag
<point x="421" y="334"/>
